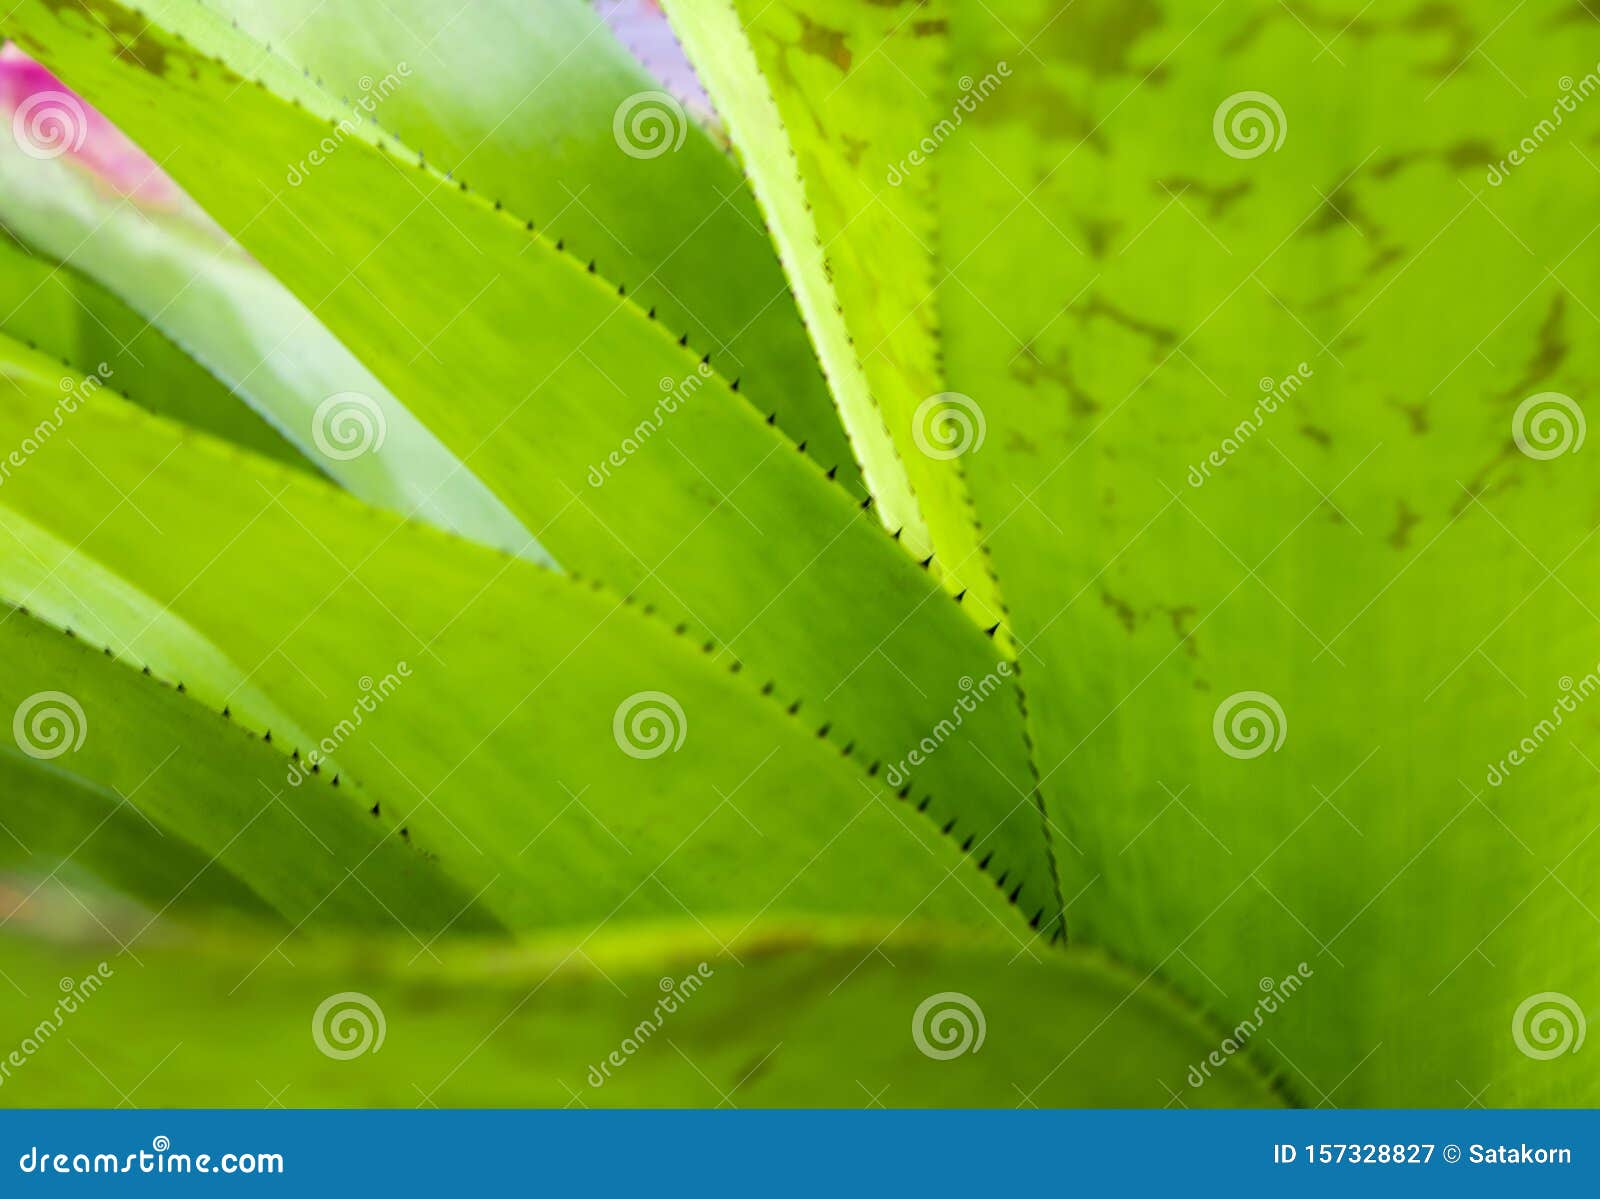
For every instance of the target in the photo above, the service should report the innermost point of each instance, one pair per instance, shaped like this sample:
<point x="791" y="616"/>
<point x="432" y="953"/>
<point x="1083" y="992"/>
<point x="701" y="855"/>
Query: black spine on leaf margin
<point x="225" y="713"/>
<point x="768" y="690"/>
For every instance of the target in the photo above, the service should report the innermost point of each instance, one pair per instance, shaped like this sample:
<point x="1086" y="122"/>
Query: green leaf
<point x="563" y="752"/>
<point x="53" y="307"/>
<point x="700" y="509"/>
<point x="821" y="104"/>
<point x="114" y="772"/>
<point x="776" y="1015"/>
<point x="185" y="277"/>
<point x="532" y="106"/>
<point x="1369" y="548"/>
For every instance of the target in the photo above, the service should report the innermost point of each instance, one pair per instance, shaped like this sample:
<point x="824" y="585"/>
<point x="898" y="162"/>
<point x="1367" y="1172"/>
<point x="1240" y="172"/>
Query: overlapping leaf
<point x="541" y="109"/>
<point x="821" y="103"/>
<point x="566" y="756"/>
<point x="548" y="385"/>
<point x="1287" y="626"/>
<point x="190" y="284"/>
<point x="112" y="771"/>
<point x="54" y="308"/>
<point x="776" y="1015"/>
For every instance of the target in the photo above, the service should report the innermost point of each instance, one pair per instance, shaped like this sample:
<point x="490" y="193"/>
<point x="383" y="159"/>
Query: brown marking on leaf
<point x="1124" y="611"/>
<point x="1341" y="209"/>
<point x="131" y="32"/>
<point x="1321" y="436"/>
<point x="1467" y="155"/>
<point x="825" y="43"/>
<point x="1180" y="616"/>
<point x="1366" y="25"/>
<point x="1098" y="233"/>
<point x="1160" y="337"/>
<point x="854" y="148"/>
<point x="1028" y="98"/>
<point x="1028" y="367"/>
<point x="1382" y="259"/>
<point x="1098" y="35"/>
<point x="1405" y="521"/>
<point x="1548" y="355"/>
<point x="1018" y="442"/>
<point x="1417" y="413"/>
<point x="1220" y="198"/>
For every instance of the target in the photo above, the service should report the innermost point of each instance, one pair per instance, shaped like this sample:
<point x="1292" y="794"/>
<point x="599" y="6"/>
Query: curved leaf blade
<point x="778" y="1015"/>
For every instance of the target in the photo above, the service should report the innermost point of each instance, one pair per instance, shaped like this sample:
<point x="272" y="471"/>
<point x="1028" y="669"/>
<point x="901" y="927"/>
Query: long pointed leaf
<point x="778" y="1015"/>
<point x="573" y="757"/>
<point x="1298" y="621"/>
<point x="540" y="108"/>
<point x="698" y="508"/>
<point x="821" y="103"/>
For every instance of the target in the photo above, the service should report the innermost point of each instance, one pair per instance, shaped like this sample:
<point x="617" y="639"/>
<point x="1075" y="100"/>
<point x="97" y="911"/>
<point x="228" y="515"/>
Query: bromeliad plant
<point x="484" y="534"/>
